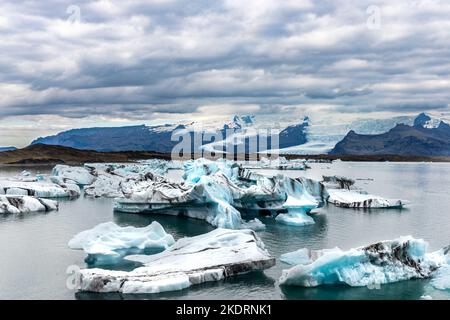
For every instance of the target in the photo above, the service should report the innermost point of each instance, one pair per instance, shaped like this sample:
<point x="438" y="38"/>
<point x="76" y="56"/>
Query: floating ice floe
<point x="383" y="262"/>
<point x="338" y="182"/>
<point x="216" y="198"/>
<point x="111" y="179"/>
<point x="39" y="189"/>
<point x="108" y="241"/>
<point x="70" y="174"/>
<point x="279" y="163"/>
<point x="212" y="256"/>
<point x="25" y="204"/>
<point x="356" y="199"/>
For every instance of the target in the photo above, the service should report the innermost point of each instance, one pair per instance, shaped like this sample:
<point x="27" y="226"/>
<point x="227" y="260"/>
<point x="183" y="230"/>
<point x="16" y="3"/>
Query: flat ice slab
<point x="110" y="239"/>
<point x="39" y="189"/>
<point x="25" y="204"/>
<point x="383" y="262"/>
<point x="355" y="199"/>
<point x="212" y="256"/>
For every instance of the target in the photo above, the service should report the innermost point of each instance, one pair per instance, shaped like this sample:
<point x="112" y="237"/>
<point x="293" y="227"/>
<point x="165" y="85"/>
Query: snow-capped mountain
<point x="7" y="149"/>
<point x="322" y="136"/>
<point x="209" y="136"/>
<point x="426" y="137"/>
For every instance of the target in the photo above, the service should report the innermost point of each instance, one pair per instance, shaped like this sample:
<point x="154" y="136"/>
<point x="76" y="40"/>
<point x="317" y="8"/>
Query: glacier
<point x="380" y="263"/>
<point x="25" y="204"/>
<point x="212" y="256"/>
<point x="107" y="241"/>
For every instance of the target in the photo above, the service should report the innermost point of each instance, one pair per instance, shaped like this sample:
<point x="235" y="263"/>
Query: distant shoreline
<point x="43" y="155"/>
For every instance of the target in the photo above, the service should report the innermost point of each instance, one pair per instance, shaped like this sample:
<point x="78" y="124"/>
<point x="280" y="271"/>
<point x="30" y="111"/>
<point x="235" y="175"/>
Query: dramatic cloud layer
<point x="82" y="63"/>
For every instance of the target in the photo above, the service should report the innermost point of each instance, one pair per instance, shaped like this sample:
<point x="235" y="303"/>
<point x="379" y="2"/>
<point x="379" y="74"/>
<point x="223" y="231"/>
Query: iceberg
<point x="157" y="193"/>
<point x="255" y="225"/>
<point x="380" y="263"/>
<point x="217" y="191"/>
<point x="113" y="241"/>
<point x="69" y="174"/>
<point x="112" y="179"/>
<point x="25" y="204"/>
<point x="355" y="199"/>
<point x="338" y="182"/>
<point x="279" y="163"/>
<point x="212" y="256"/>
<point x="300" y="256"/>
<point x="296" y="218"/>
<point x="195" y="169"/>
<point x="39" y="189"/>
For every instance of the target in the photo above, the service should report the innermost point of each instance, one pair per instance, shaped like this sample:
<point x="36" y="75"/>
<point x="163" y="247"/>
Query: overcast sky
<point x="66" y="64"/>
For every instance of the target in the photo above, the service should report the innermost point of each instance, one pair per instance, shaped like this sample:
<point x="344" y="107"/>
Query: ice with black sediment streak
<point x="380" y="263"/>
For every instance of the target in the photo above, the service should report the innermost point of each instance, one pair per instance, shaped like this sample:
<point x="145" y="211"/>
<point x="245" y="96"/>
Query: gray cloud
<point x="144" y="60"/>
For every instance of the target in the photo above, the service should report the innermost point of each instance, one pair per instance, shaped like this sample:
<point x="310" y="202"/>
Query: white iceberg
<point x="109" y="239"/>
<point x="112" y="179"/>
<point x="39" y="189"/>
<point x="296" y="218"/>
<point x="278" y="163"/>
<point x="212" y="256"/>
<point x="70" y="174"/>
<point x="383" y="262"/>
<point x="25" y="204"/>
<point x="355" y="199"/>
<point x="254" y="224"/>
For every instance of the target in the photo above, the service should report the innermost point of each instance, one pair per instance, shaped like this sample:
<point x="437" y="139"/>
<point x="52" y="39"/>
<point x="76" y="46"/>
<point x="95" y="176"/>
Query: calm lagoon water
<point x="34" y="255"/>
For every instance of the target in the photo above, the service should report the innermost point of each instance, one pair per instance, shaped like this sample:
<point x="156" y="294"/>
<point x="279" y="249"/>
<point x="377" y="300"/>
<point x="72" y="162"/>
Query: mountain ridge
<point x="420" y="139"/>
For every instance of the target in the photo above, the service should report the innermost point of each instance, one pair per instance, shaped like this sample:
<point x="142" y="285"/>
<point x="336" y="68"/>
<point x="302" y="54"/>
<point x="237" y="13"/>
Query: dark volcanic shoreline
<point x="40" y="154"/>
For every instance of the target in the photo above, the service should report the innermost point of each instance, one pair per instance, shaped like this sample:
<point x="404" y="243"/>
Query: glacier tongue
<point x="212" y="256"/>
<point x="383" y="262"/>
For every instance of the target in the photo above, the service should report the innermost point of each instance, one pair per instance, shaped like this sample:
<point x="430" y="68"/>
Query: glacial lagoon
<point x="35" y="256"/>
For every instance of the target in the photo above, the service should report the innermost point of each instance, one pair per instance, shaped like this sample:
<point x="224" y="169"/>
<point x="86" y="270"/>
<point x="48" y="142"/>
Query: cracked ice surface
<point x="212" y="256"/>
<point x="110" y="239"/>
<point x="383" y="262"/>
<point x="25" y="204"/>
